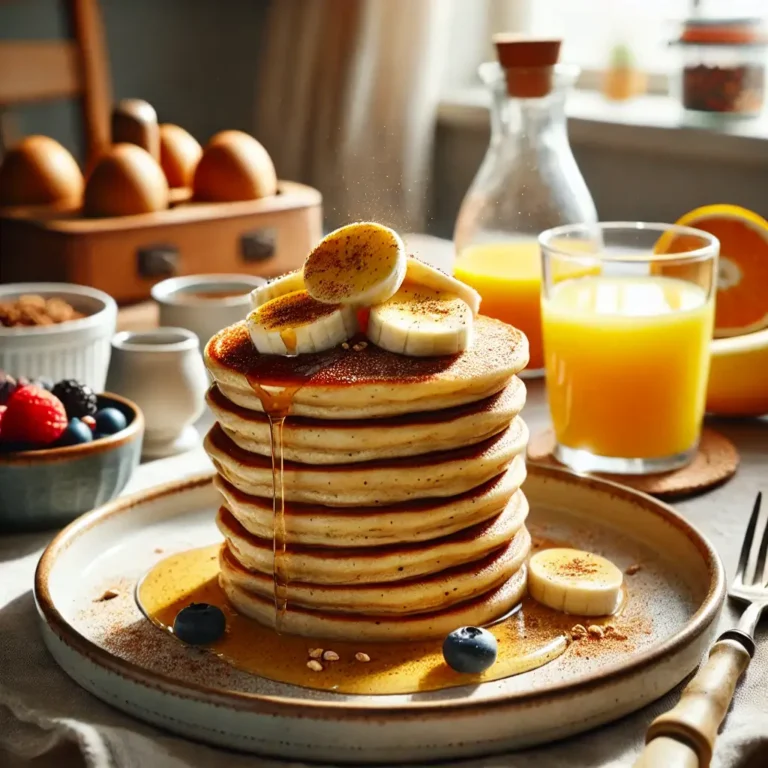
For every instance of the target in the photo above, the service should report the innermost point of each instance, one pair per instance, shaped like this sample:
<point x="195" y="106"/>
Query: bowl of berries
<point x="63" y="450"/>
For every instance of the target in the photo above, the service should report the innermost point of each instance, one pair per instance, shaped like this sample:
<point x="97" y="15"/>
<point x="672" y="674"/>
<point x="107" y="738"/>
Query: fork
<point x="685" y="736"/>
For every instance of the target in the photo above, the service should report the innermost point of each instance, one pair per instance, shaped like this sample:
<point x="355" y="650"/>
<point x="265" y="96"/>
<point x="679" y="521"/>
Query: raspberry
<point x="3" y="409"/>
<point x="33" y="417"/>
<point x="78" y="399"/>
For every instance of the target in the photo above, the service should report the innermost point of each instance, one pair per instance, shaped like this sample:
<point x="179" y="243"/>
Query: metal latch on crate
<point x="259" y="244"/>
<point x="158" y="260"/>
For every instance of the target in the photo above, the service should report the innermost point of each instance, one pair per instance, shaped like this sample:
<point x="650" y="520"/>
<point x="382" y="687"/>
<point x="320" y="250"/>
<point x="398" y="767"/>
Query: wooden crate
<point x="126" y="256"/>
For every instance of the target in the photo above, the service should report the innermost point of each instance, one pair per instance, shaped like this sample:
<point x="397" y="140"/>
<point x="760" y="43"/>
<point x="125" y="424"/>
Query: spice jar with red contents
<point x="723" y="66"/>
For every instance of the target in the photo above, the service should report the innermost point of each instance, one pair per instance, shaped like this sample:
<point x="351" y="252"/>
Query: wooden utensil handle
<point x="665" y="752"/>
<point x="693" y="724"/>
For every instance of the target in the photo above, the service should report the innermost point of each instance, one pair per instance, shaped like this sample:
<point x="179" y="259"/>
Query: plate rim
<point x="261" y="703"/>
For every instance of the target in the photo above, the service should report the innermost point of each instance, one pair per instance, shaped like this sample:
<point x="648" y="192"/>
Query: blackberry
<point x="78" y="399"/>
<point x="7" y="387"/>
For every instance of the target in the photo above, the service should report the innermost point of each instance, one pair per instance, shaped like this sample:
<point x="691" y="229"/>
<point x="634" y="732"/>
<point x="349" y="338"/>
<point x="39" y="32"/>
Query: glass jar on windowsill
<point x="723" y="67"/>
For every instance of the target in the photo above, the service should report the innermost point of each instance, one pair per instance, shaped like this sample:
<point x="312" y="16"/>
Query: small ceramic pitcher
<point x="163" y="373"/>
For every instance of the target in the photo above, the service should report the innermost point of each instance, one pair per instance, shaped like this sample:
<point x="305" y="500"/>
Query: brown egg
<point x="179" y="155"/>
<point x="39" y="171"/>
<point x="234" y="166"/>
<point x="125" y="181"/>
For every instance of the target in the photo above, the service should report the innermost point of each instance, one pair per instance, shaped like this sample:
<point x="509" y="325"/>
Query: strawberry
<point x="2" y="411"/>
<point x="33" y="416"/>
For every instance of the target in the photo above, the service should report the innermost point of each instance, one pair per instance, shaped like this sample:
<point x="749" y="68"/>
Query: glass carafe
<point x="528" y="182"/>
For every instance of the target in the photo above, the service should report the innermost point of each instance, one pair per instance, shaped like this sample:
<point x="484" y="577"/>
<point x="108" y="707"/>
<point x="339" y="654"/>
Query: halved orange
<point x="742" y="280"/>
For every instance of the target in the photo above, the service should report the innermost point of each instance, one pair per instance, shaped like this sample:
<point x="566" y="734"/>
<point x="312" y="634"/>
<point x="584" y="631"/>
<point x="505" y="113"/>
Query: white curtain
<point x="348" y="98"/>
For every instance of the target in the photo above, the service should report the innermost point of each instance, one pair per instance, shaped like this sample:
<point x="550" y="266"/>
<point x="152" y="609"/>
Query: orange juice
<point x="508" y="277"/>
<point x="627" y="361"/>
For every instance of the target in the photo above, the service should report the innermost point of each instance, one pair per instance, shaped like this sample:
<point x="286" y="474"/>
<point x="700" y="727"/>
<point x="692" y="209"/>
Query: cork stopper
<point x="528" y="63"/>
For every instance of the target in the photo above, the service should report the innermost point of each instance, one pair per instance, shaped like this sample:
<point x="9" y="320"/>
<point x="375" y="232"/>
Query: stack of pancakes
<point x="404" y="517"/>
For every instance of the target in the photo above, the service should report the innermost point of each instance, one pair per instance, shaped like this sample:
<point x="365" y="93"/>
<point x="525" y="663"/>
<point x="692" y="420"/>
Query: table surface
<point x="720" y="514"/>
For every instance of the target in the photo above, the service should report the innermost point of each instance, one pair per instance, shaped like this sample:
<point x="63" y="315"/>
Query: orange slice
<point x="742" y="280"/>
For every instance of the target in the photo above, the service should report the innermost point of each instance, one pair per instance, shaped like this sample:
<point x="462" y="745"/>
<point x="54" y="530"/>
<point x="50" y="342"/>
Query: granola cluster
<point x="32" y="310"/>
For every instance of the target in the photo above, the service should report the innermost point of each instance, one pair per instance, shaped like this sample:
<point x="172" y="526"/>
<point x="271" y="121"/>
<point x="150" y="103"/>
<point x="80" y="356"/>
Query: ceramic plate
<point x="111" y="650"/>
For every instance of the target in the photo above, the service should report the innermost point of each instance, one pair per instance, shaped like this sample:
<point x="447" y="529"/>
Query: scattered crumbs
<point x="330" y="656"/>
<point x="360" y="346"/>
<point x="109" y="594"/>
<point x="345" y="345"/>
<point x="633" y="569"/>
<point x="614" y="633"/>
<point x="595" y="630"/>
<point x="159" y="550"/>
<point x="578" y="631"/>
<point x="364" y="657"/>
<point x="315" y="666"/>
<point x="315" y="653"/>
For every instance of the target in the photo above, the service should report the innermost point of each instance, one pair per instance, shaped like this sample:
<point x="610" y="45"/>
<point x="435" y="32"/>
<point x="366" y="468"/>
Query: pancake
<point x="372" y="565"/>
<point x="420" y="595"/>
<point x="390" y="481"/>
<point x="324" y="441"/>
<point x="355" y="626"/>
<point x="420" y="520"/>
<point x="368" y="382"/>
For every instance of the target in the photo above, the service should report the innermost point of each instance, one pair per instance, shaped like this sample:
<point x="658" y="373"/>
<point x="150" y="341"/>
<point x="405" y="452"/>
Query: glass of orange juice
<point x="627" y="317"/>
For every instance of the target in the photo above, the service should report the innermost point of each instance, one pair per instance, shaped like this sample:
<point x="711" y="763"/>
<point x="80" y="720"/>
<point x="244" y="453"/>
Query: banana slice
<point x="418" y="272"/>
<point x="422" y="322"/>
<point x="360" y="264"/>
<point x="296" y="324"/>
<point x="573" y="581"/>
<point x="288" y="283"/>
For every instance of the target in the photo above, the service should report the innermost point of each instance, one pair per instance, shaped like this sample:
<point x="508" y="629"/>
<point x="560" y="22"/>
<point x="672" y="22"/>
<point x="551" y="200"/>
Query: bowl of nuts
<point x="63" y="450"/>
<point x="59" y="330"/>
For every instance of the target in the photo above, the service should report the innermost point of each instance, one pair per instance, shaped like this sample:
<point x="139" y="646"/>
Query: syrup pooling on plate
<point x="528" y="638"/>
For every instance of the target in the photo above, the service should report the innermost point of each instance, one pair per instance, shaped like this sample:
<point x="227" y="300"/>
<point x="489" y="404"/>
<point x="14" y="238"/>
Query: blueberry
<point x="470" y="650"/>
<point x="76" y="432"/>
<point x="199" y="624"/>
<point x="109" y="421"/>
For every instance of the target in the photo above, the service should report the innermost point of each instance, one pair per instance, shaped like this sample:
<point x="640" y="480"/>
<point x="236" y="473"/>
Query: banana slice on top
<point x="573" y="581"/>
<point x="359" y="264"/>
<point x="422" y="322"/>
<point x="416" y="271"/>
<point x="279" y="286"/>
<point x="296" y="324"/>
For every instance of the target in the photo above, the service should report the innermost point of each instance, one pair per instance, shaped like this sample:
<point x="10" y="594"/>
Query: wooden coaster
<point x="716" y="461"/>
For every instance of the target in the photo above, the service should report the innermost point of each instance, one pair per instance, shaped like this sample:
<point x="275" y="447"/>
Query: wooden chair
<point x="33" y="71"/>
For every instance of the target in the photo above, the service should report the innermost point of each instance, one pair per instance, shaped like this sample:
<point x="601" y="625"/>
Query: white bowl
<point x="181" y="308"/>
<point x="77" y="349"/>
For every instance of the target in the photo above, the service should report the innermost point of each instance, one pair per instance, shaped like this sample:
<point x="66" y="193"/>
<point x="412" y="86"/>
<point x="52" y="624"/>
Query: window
<point x="590" y="28"/>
